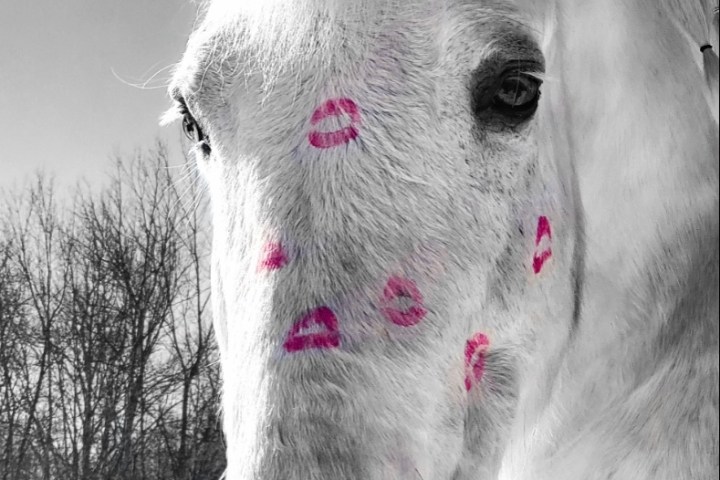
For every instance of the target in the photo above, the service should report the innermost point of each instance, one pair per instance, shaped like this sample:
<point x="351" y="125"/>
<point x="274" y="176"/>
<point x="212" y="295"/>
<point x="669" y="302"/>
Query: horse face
<point x="384" y="232"/>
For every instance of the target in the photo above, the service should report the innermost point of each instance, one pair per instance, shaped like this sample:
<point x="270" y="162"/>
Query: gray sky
<point x="61" y="106"/>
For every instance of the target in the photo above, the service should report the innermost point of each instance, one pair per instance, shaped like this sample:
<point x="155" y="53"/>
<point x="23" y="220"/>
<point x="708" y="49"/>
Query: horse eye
<point x="192" y="129"/>
<point x="506" y="99"/>
<point x="517" y="95"/>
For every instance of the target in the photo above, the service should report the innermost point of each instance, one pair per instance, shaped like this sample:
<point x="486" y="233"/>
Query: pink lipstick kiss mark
<point x="274" y="257"/>
<point x="475" y="350"/>
<point x="403" y="288"/>
<point x="543" y="230"/>
<point x="321" y="318"/>
<point x="335" y="108"/>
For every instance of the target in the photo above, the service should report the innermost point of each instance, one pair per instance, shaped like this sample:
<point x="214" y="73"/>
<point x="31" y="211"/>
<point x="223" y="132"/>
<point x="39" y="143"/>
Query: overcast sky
<point x="62" y="106"/>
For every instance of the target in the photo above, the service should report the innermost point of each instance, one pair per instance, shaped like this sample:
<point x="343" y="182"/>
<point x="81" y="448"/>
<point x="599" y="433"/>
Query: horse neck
<point x="645" y="152"/>
<point x="630" y="127"/>
<point x="643" y="140"/>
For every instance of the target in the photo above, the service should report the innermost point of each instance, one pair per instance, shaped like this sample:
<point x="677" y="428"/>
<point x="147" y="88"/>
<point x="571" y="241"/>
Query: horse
<point x="461" y="239"/>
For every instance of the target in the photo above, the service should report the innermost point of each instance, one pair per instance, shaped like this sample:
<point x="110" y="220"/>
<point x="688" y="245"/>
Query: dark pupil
<point x="516" y="91"/>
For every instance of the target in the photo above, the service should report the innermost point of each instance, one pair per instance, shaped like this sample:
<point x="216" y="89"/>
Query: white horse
<point x="422" y="269"/>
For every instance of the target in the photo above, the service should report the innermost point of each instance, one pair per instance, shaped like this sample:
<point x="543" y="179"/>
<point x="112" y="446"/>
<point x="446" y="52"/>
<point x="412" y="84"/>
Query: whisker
<point x="144" y="84"/>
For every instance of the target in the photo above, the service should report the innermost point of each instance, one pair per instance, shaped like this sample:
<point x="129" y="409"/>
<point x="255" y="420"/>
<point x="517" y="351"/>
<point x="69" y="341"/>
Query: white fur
<point x="604" y="366"/>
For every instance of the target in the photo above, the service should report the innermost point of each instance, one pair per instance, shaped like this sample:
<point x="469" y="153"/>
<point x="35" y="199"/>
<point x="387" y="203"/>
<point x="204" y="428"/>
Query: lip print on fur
<point x="399" y="288"/>
<point x="335" y="108"/>
<point x="273" y="257"/>
<point x="542" y="256"/>
<point x="475" y="350"/>
<point x="318" y="328"/>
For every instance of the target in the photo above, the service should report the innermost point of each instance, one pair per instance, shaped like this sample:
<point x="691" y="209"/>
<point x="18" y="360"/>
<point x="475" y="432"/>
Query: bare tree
<point x="108" y="364"/>
<point x="14" y="356"/>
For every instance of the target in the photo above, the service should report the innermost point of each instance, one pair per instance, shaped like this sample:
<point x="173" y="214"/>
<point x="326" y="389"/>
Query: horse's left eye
<point x="517" y="95"/>
<point x="192" y="129"/>
<point x="507" y="99"/>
